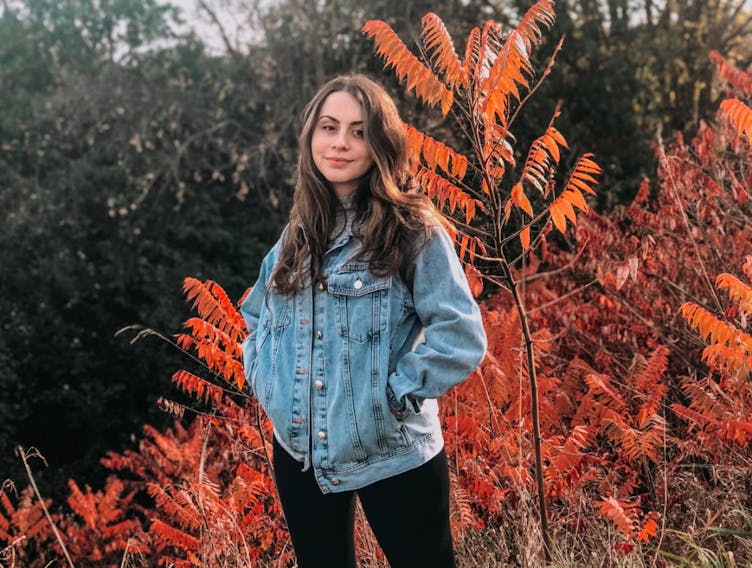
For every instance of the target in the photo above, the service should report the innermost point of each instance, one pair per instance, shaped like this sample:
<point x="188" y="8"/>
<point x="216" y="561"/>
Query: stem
<point x="519" y="303"/>
<point x="24" y="457"/>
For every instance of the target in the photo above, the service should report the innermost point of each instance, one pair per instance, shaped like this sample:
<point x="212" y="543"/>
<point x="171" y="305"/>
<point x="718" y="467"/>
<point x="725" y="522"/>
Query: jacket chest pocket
<point x="361" y="302"/>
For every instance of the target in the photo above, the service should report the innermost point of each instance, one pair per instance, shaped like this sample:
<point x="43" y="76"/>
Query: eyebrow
<point x="323" y="116"/>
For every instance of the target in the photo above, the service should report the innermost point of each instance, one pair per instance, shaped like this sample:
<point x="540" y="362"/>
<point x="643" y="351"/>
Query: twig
<point x="24" y="457"/>
<point x="560" y="298"/>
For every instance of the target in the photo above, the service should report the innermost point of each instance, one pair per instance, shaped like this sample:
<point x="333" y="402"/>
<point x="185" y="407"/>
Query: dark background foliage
<point x="132" y="156"/>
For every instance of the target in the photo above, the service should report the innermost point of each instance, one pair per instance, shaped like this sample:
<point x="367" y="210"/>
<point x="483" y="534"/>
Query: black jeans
<point x="409" y="514"/>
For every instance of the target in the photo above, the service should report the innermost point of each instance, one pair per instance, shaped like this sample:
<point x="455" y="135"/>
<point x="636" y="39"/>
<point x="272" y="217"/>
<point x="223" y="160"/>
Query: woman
<point x="360" y="318"/>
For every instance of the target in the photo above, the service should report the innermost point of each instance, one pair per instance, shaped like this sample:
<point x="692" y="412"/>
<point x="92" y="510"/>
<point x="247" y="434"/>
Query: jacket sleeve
<point x="250" y="309"/>
<point x="454" y="339"/>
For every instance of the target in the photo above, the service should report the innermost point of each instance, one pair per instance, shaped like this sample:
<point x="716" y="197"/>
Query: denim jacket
<point x="349" y="372"/>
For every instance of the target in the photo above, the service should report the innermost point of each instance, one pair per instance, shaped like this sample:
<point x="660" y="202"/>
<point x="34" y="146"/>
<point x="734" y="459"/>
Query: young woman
<point x="360" y="318"/>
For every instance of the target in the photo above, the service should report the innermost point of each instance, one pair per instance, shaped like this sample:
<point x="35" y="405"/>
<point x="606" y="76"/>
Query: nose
<point x="340" y="139"/>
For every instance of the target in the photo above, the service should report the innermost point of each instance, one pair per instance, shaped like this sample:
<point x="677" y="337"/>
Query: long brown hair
<point x="390" y="213"/>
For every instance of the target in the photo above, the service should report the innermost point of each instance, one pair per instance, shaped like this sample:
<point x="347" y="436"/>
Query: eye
<point x="328" y="127"/>
<point x="358" y="133"/>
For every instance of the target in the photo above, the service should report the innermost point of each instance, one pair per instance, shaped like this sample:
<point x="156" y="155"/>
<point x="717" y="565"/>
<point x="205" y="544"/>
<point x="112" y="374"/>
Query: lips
<point x="337" y="162"/>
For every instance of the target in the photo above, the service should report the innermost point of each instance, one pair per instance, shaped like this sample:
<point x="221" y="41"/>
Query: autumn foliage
<point x="639" y="321"/>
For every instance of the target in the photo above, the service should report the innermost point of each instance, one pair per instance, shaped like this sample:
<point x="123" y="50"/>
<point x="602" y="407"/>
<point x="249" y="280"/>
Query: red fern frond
<point x="736" y="431"/>
<point x="650" y="386"/>
<point x="529" y="29"/>
<point x="537" y="166"/>
<point x="703" y="399"/>
<point x="205" y="331"/>
<point x="83" y="505"/>
<point x="198" y="387"/>
<point x="472" y="53"/>
<point x="738" y="291"/>
<point x="445" y="194"/>
<point x="714" y="330"/>
<point x="728" y="359"/>
<point x="435" y="154"/>
<point x="440" y="49"/>
<point x="213" y="305"/>
<point x="216" y="349"/>
<point x="747" y="267"/>
<point x="496" y="151"/>
<point x="650" y="374"/>
<point x="621" y="513"/>
<point x="601" y="384"/>
<point x="740" y="116"/>
<point x="738" y="79"/>
<point x="407" y="67"/>
<point x="173" y="536"/>
<point x="581" y="177"/>
<point x="176" y="506"/>
<point x="563" y="208"/>
<point x="511" y="63"/>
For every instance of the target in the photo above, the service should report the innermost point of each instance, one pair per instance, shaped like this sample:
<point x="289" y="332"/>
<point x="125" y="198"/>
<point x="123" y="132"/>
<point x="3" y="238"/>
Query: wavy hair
<point x="390" y="212"/>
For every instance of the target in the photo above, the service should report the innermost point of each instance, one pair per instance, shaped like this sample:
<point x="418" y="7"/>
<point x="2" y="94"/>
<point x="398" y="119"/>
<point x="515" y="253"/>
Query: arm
<point x="455" y="341"/>
<point x="251" y="311"/>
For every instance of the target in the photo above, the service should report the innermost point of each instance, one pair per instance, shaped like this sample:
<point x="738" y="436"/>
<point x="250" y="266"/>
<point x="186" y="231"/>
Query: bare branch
<point x="218" y="23"/>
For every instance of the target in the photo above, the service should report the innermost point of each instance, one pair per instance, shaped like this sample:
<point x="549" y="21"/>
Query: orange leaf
<point x="520" y="199"/>
<point x="474" y="279"/>
<point x="525" y="237"/>
<point x="740" y="116"/>
<point x="407" y="67"/>
<point x="557" y="216"/>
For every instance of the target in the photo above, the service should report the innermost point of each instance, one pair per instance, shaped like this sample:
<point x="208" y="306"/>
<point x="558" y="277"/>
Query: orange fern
<point x="435" y="154"/>
<point x="621" y="513"/>
<point x="740" y="116"/>
<point x="446" y="194"/>
<point x="738" y="291"/>
<point x="737" y="78"/>
<point x="440" y="48"/>
<point x="407" y="67"/>
<point x="213" y="305"/>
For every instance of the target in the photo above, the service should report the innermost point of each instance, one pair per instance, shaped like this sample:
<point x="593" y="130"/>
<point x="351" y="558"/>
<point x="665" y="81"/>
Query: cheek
<point x="317" y="143"/>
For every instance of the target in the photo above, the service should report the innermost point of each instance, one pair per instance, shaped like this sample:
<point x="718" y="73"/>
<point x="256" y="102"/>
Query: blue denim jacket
<point x="349" y="374"/>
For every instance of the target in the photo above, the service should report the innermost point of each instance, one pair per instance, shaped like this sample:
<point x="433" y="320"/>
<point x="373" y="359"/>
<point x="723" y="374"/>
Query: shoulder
<point x="435" y="231"/>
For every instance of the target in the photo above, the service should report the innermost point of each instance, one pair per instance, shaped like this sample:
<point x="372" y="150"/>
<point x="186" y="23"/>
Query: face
<point x="338" y="145"/>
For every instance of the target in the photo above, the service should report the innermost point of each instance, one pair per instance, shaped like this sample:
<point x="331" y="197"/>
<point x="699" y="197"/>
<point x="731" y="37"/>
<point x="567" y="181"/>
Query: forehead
<point x="343" y="107"/>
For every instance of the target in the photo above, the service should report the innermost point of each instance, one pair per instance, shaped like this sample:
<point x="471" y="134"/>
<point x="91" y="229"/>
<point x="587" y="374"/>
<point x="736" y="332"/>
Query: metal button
<point x="319" y="335"/>
<point x="319" y="384"/>
<point x="358" y="284"/>
<point x="322" y="435"/>
<point x="335" y="481"/>
<point x="321" y="285"/>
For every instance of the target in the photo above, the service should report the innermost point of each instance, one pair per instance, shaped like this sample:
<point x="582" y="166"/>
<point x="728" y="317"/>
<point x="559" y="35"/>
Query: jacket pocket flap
<point x="357" y="283"/>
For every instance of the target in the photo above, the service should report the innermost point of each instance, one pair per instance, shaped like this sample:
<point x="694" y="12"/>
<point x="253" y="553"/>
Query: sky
<point x="231" y="13"/>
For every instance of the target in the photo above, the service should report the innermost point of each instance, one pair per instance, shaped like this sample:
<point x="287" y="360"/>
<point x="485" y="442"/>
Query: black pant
<point x="409" y="514"/>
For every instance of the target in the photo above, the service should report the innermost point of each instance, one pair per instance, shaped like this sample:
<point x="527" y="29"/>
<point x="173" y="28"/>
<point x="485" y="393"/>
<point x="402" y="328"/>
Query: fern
<point x="737" y="78"/>
<point x="407" y="67"/>
<point x="440" y="50"/>
<point x="740" y="116"/>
